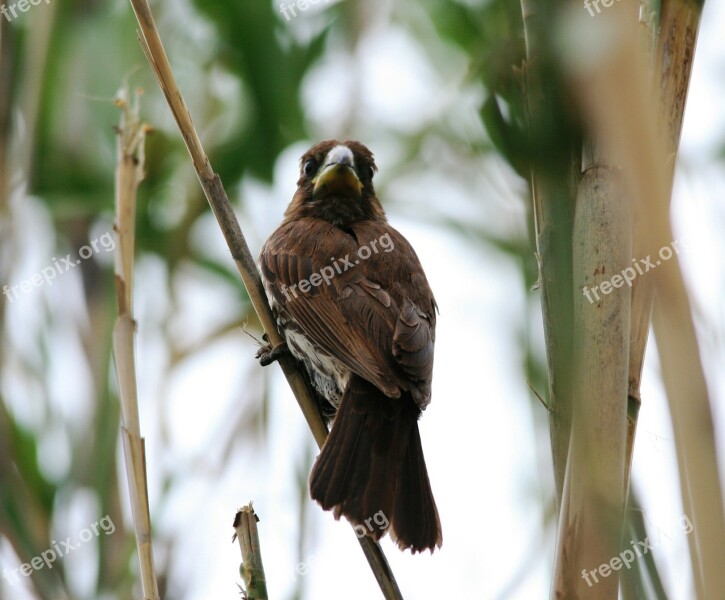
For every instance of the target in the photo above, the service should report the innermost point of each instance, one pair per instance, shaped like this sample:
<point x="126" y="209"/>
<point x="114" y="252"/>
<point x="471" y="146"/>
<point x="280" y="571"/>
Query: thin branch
<point x="219" y="202"/>
<point x="129" y="173"/>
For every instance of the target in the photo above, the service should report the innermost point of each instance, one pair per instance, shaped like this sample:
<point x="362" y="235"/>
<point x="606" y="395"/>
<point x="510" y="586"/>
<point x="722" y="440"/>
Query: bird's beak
<point x="337" y="175"/>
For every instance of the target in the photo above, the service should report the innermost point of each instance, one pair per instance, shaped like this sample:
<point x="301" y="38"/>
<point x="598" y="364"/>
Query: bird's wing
<point x="365" y="317"/>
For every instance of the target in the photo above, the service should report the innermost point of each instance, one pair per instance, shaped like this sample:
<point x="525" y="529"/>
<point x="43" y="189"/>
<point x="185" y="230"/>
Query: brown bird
<point x="355" y="308"/>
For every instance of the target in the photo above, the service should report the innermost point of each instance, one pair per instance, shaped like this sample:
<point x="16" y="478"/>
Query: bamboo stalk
<point x="619" y="101"/>
<point x="216" y="196"/>
<point x="129" y="174"/>
<point x="591" y="518"/>
<point x="673" y="58"/>
<point x="252" y="570"/>
<point x="679" y="25"/>
<point x="642" y="288"/>
<point x="553" y="196"/>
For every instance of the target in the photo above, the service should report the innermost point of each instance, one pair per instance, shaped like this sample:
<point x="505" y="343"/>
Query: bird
<point x="354" y="307"/>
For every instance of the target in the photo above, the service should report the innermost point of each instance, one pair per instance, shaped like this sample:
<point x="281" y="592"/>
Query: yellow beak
<point x="337" y="180"/>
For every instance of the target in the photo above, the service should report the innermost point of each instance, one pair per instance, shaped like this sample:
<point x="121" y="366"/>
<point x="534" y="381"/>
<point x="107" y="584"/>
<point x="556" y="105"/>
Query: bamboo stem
<point x="129" y="174"/>
<point x="619" y="101"/>
<point x="252" y="570"/>
<point x="673" y="58"/>
<point x="679" y="24"/>
<point x="553" y="197"/>
<point x="591" y="518"/>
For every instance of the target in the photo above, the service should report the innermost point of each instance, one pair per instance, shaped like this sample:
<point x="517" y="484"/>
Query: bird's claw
<point x="267" y="354"/>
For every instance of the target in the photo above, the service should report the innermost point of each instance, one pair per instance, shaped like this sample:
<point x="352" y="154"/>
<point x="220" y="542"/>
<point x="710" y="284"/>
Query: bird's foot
<point x="268" y="354"/>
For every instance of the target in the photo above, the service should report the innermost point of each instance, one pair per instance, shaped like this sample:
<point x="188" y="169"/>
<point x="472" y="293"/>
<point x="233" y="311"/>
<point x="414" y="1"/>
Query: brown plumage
<point x="355" y="307"/>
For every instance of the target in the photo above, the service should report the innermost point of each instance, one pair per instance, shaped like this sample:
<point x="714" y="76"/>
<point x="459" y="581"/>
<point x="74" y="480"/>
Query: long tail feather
<point x="371" y="469"/>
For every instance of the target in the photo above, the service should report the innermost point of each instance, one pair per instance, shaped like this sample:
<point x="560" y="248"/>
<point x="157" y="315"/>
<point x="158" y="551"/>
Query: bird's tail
<point x="371" y="469"/>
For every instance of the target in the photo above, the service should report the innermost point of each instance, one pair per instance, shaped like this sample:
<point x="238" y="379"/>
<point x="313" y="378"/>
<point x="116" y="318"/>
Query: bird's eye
<point x="371" y="172"/>
<point x="309" y="167"/>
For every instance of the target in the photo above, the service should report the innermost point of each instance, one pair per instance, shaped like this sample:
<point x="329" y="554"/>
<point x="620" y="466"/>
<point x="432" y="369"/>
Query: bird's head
<point x="336" y="184"/>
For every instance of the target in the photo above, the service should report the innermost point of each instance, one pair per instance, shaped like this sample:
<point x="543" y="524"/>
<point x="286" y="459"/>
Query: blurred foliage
<point x="271" y="73"/>
<point x="243" y="69"/>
